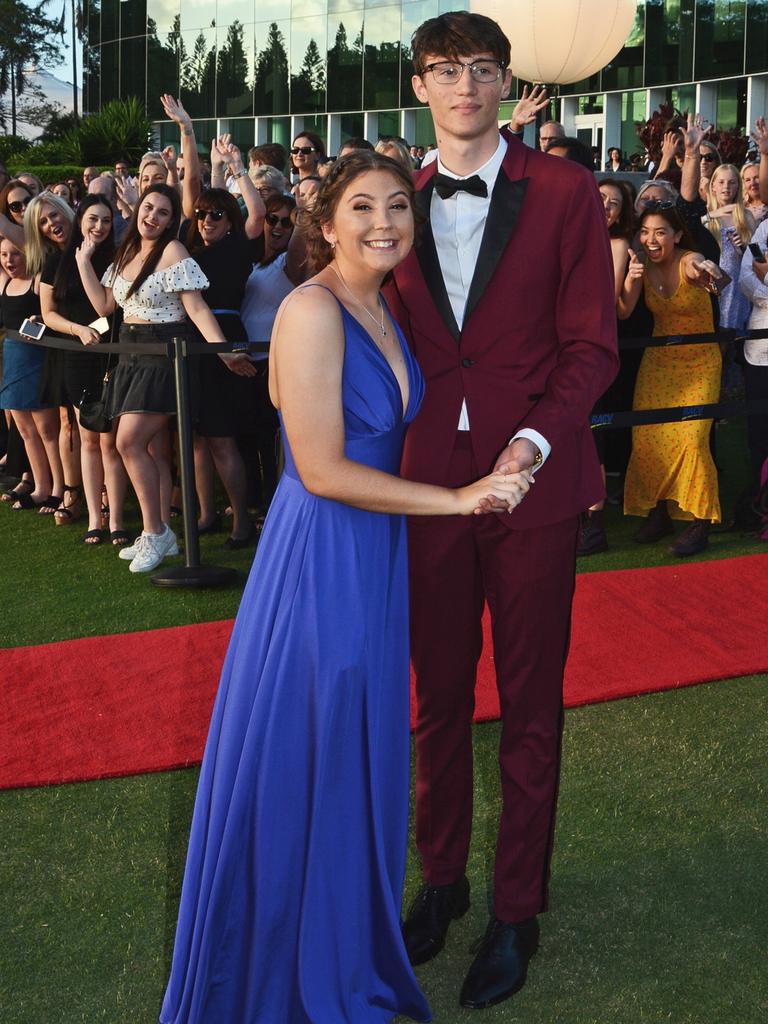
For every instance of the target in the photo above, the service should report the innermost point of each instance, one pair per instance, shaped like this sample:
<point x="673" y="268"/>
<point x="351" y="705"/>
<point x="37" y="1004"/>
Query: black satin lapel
<point x="506" y="203"/>
<point x="426" y="253"/>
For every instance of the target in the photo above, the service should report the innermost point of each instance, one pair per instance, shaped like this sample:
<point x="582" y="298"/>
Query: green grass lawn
<point x="659" y="908"/>
<point x="659" y="903"/>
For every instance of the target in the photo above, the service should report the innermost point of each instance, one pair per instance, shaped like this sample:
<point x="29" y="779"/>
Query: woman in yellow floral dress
<point x="671" y="473"/>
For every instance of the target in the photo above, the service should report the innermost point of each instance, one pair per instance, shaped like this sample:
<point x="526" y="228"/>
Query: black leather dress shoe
<point x="429" y="916"/>
<point x="501" y="965"/>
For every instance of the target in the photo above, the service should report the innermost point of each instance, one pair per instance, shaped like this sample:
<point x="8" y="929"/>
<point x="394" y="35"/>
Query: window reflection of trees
<point x="234" y="83"/>
<point x="757" y="36"/>
<point x="270" y="87"/>
<point x="197" y="71"/>
<point x="345" y="64"/>
<point x="93" y="23"/>
<point x="307" y="57"/>
<point x="163" y="63"/>
<point x="91" y="79"/>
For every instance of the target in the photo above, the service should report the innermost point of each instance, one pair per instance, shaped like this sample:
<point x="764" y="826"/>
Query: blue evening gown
<point x="290" y="908"/>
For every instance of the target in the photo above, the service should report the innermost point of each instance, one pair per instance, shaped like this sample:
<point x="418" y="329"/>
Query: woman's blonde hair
<point x="267" y="175"/>
<point x="36" y="247"/>
<point x="395" y="151"/>
<point x="739" y="213"/>
<point x="749" y="165"/>
<point x="155" y="161"/>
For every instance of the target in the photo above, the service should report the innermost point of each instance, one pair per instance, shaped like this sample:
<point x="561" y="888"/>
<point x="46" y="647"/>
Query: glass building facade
<point x="265" y="70"/>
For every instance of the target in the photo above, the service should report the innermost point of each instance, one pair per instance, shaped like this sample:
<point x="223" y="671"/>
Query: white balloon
<point x="560" y="41"/>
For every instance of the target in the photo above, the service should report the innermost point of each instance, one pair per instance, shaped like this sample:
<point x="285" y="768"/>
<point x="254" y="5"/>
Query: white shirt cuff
<point x="541" y="443"/>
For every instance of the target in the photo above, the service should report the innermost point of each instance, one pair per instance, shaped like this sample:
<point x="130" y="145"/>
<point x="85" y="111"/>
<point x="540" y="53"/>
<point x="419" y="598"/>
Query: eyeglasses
<point x="18" y="205"/>
<point x="448" y="72"/>
<point x="213" y="214"/>
<point x="273" y="220"/>
<point x="708" y="158"/>
<point x="304" y="150"/>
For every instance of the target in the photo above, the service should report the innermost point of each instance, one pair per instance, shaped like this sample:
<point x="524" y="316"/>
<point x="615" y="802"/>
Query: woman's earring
<point x="332" y="245"/>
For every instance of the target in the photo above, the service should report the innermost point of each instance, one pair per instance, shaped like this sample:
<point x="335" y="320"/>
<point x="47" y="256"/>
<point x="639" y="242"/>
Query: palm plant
<point x="119" y="131"/>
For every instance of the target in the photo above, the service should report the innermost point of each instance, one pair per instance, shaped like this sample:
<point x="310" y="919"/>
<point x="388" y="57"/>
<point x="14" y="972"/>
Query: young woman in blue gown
<point x="290" y="909"/>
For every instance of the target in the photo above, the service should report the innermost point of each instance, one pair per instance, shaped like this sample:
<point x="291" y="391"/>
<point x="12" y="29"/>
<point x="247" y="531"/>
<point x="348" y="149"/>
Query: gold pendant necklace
<point x="367" y="312"/>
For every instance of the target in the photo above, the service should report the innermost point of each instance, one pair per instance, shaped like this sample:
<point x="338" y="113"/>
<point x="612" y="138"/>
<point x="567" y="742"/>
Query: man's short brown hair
<point x="457" y="34"/>
<point x="271" y="153"/>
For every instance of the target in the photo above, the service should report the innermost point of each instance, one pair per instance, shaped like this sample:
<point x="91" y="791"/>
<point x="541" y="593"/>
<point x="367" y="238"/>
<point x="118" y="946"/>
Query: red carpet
<point x="138" y="702"/>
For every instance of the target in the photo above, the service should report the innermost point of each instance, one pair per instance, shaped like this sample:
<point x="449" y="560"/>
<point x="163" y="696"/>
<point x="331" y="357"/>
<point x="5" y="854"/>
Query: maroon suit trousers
<point x="527" y="577"/>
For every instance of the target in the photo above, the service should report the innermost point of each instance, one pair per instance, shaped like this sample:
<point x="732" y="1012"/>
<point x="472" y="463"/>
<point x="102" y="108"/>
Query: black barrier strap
<point x="144" y="348"/>
<point x="725" y="334"/>
<point x="676" y="414"/>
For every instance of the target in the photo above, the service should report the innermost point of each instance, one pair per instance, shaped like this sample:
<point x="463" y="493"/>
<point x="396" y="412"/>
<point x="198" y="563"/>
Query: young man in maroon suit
<point x="507" y="300"/>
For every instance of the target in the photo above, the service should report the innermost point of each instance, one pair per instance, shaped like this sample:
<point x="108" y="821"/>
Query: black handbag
<point x="93" y="408"/>
<point x="93" y="404"/>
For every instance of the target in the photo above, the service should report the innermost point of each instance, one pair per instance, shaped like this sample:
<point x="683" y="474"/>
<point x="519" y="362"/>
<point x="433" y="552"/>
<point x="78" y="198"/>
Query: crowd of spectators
<point x="211" y="247"/>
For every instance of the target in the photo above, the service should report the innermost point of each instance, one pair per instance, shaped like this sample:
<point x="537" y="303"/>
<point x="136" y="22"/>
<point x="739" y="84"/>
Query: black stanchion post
<point x="192" y="574"/>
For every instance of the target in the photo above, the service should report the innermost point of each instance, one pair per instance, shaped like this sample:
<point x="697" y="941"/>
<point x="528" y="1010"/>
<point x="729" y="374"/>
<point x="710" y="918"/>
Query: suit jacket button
<point x="466" y="363"/>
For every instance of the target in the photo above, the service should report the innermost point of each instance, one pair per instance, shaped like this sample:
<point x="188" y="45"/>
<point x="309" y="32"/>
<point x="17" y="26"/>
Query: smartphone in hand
<point x="757" y="252"/>
<point x="32" y="329"/>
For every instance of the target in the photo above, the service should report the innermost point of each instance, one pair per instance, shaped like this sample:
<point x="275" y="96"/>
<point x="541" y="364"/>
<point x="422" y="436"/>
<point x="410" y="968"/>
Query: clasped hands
<point x="511" y="479"/>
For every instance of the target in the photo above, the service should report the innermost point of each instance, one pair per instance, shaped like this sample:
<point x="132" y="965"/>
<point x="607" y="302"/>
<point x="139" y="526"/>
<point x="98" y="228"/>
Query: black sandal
<point x="213" y="527"/>
<point x="66" y="514"/>
<point x="15" y="494"/>
<point x="25" y="501"/>
<point x="93" y="538"/>
<point x="119" y="538"/>
<point x="50" y="505"/>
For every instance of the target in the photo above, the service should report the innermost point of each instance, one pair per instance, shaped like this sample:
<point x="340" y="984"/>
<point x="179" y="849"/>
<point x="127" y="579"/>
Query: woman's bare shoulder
<point x="311" y="303"/>
<point x="174" y="252"/>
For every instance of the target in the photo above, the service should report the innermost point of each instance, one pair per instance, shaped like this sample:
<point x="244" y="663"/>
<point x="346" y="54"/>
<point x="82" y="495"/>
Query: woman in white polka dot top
<point x="158" y="286"/>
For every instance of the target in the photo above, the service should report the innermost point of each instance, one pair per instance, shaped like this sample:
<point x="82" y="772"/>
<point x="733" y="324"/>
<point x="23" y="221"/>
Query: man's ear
<point x="419" y="89"/>
<point x="507" y="84"/>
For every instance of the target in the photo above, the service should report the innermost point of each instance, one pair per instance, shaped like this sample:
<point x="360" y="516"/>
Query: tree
<point x="120" y="131"/>
<point x="27" y="36"/>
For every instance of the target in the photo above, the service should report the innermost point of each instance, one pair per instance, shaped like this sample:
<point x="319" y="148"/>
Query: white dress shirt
<point x="458" y="224"/>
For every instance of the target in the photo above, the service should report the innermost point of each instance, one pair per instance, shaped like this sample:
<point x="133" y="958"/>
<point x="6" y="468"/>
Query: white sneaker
<point x="153" y="548"/>
<point x="129" y="553"/>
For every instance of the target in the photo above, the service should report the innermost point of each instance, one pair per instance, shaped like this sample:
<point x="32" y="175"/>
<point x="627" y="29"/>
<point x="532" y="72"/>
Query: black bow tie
<point x="446" y="186"/>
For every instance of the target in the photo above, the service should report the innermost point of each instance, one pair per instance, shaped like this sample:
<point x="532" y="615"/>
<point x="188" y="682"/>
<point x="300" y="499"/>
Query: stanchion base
<point x="194" y="576"/>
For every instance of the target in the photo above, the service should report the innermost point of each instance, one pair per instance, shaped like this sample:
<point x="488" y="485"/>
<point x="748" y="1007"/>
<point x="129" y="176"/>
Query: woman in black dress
<point x="67" y="310"/>
<point x="226" y="247"/>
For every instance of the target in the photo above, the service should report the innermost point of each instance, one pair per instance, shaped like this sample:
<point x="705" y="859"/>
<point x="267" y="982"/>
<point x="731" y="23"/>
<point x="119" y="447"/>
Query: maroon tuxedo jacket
<point x="538" y="343"/>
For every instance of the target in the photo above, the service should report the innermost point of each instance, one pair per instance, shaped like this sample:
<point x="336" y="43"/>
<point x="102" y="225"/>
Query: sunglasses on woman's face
<point x="18" y="205"/>
<point x="652" y="205"/>
<point x="213" y="214"/>
<point x="273" y="220"/>
<point x="708" y="158"/>
<point x="304" y="150"/>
